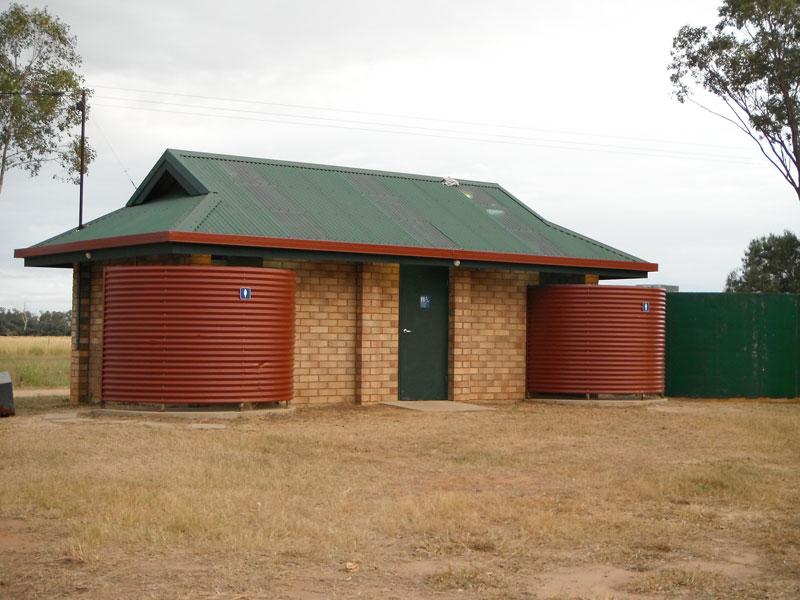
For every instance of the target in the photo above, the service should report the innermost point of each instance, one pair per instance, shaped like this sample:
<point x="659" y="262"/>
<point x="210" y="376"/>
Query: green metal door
<point x="423" y="333"/>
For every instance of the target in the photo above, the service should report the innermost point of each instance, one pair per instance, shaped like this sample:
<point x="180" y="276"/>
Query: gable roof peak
<point x="168" y="175"/>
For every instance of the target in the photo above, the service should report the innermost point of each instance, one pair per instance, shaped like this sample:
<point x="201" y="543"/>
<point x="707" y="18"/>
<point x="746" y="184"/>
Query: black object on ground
<point x="6" y="396"/>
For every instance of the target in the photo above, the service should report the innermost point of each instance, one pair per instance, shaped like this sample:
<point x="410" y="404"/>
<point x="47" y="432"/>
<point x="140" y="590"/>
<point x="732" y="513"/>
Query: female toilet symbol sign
<point x="245" y="293"/>
<point x="645" y="307"/>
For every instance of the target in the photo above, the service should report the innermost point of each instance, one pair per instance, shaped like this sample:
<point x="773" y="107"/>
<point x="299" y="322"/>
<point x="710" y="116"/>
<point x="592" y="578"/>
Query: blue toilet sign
<point x="245" y="293"/>
<point x="645" y="307"/>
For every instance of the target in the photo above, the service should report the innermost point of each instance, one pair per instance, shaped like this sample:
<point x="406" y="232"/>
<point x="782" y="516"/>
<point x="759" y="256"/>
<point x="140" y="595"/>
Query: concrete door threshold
<point x="436" y="406"/>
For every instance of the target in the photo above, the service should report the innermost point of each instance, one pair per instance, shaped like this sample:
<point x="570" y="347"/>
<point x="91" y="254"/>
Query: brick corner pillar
<point x="95" y="323"/>
<point x="377" y="320"/>
<point x="79" y="354"/>
<point x="458" y="375"/>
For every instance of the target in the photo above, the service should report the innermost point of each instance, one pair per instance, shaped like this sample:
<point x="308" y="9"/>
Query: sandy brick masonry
<point x="96" y="334"/>
<point x="377" y="334"/>
<point x="325" y="331"/>
<point x="79" y="357"/>
<point x="487" y="334"/>
<point x="345" y="331"/>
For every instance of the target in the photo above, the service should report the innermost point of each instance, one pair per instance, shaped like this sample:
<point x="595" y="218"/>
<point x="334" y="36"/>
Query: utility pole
<point x="81" y="106"/>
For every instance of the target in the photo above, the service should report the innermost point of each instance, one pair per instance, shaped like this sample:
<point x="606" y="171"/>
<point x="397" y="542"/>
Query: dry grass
<point x="36" y="362"/>
<point x="461" y="580"/>
<point x="695" y="583"/>
<point x="468" y="505"/>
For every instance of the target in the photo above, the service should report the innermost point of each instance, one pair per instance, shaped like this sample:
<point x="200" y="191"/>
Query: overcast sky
<point x="583" y="127"/>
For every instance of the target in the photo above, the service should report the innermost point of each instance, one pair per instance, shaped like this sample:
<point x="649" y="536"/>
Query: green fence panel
<point x="733" y="345"/>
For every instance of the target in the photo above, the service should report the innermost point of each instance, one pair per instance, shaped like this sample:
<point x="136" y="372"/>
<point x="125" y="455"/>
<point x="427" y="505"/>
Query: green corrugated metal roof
<point x="211" y="193"/>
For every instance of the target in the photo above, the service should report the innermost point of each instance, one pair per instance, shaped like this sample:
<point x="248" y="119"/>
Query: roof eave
<point x="191" y="237"/>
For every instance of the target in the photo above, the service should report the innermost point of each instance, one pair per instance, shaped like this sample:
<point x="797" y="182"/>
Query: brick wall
<point x="79" y="355"/>
<point x="378" y="308"/>
<point x="487" y="334"/>
<point x="325" y="331"/>
<point x="345" y="331"/>
<point x="95" y="365"/>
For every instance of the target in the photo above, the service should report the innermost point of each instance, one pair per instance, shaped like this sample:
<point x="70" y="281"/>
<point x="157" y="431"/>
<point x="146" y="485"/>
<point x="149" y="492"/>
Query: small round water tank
<point x="198" y="335"/>
<point x="595" y="339"/>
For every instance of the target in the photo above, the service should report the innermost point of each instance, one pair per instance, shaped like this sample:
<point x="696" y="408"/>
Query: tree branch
<point x="741" y="126"/>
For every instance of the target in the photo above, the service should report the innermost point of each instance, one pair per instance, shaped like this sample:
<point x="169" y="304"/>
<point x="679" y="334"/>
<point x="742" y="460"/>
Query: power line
<point x="45" y="94"/>
<point x="110" y="147"/>
<point x="417" y="127"/>
<point x="656" y="153"/>
<point x="411" y="117"/>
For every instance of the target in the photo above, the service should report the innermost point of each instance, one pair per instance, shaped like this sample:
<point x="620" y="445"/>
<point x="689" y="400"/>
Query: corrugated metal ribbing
<point x="182" y="335"/>
<point x="589" y="339"/>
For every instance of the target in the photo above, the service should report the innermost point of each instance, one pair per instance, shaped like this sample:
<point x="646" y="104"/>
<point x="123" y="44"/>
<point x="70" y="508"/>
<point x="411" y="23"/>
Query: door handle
<point x="406" y="330"/>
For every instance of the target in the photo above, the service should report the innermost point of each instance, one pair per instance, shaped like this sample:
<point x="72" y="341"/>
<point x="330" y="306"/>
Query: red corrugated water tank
<point x="198" y="335"/>
<point x="595" y="339"/>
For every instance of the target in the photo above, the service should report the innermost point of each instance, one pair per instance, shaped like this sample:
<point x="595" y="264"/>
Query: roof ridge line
<point x="332" y="168"/>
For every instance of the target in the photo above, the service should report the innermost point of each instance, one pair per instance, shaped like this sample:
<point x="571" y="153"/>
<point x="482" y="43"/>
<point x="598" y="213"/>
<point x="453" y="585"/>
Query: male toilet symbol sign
<point x="245" y="293"/>
<point x="645" y="307"/>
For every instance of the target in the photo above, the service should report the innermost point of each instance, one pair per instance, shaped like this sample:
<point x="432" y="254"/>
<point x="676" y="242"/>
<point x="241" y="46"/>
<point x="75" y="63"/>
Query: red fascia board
<point x="220" y="239"/>
<point x="109" y="242"/>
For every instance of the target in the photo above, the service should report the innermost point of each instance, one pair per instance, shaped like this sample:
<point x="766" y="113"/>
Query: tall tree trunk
<point x="3" y="164"/>
<point x="6" y="142"/>
<point x="794" y="129"/>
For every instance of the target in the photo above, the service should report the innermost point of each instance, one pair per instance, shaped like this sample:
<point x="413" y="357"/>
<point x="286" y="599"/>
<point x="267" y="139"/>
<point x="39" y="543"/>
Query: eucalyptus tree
<point x="751" y="61"/>
<point x="40" y="93"/>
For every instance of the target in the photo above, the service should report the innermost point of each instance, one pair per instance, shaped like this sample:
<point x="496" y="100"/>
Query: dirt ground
<point x="687" y="499"/>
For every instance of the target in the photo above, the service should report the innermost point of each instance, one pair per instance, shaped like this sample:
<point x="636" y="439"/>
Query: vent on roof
<point x="450" y="182"/>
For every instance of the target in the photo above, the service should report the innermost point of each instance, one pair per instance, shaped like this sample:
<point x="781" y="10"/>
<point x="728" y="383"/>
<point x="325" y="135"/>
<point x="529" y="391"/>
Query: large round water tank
<point x="198" y="335"/>
<point x="595" y="339"/>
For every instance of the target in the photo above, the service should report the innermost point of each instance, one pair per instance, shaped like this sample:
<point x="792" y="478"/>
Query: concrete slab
<point x="437" y="406"/>
<point x="60" y="415"/>
<point x="42" y="393"/>
<point x="599" y="402"/>
<point x="207" y="426"/>
<point x="192" y="414"/>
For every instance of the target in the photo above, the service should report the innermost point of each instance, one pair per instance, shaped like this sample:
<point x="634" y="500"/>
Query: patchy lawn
<point x="683" y="500"/>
